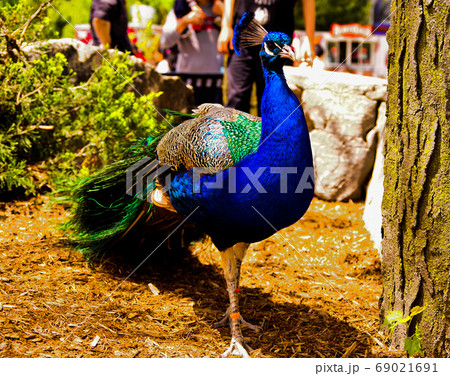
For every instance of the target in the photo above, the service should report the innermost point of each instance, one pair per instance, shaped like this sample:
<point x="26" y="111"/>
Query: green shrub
<point x="52" y="133"/>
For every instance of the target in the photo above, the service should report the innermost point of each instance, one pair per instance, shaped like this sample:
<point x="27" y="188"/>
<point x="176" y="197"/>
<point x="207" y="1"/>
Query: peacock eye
<point x="269" y="48"/>
<point x="271" y="45"/>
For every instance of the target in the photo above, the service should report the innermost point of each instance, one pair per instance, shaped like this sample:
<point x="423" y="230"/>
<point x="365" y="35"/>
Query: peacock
<point x="235" y="177"/>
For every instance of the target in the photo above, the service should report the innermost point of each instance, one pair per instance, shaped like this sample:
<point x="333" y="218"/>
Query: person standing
<point x="109" y="23"/>
<point x="198" y="61"/>
<point x="196" y="35"/>
<point x="245" y="69"/>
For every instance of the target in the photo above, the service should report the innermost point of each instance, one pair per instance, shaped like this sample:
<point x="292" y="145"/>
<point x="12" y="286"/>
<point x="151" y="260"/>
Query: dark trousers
<point x="242" y="71"/>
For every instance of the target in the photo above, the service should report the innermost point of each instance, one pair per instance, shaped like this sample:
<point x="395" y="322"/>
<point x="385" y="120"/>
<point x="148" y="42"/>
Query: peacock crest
<point x="248" y="33"/>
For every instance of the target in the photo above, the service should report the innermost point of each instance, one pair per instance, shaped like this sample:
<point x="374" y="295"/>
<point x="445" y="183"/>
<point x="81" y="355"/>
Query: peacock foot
<point x="239" y="348"/>
<point x="226" y="321"/>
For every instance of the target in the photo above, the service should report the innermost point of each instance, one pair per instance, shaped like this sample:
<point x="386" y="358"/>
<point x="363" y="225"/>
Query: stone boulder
<point x="300" y="79"/>
<point x="342" y="164"/>
<point x="341" y="111"/>
<point x="83" y="59"/>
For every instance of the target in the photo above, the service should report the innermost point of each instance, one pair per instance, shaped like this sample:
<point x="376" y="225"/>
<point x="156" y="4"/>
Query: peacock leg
<point x="226" y="321"/>
<point x="230" y="257"/>
<point x="226" y="317"/>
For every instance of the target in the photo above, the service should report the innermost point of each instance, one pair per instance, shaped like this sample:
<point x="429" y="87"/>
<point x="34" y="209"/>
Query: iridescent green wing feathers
<point x="243" y="137"/>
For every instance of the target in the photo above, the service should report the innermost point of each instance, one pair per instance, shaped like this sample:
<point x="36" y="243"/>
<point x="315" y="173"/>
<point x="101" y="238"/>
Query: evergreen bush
<point x="52" y="132"/>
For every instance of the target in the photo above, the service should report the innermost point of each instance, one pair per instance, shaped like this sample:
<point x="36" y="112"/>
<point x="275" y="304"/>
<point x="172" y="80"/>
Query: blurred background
<point x="352" y="33"/>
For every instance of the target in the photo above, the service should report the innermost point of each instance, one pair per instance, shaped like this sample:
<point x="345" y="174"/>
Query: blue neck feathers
<point x="284" y="126"/>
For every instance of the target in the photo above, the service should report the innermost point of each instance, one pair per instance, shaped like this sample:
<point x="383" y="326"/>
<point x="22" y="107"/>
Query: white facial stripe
<point x="266" y="49"/>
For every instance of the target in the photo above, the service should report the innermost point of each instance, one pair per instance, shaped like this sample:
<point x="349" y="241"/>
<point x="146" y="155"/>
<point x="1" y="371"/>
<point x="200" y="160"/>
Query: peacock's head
<point x="275" y="46"/>
<point x="276" y="50"/>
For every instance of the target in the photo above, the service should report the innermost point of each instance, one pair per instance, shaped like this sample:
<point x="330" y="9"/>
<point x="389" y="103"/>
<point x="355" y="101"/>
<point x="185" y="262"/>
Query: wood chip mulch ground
<point x="314" y="287"/>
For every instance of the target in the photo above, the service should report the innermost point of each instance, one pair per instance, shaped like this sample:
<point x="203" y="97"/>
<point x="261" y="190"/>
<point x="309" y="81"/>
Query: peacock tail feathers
<point x="104" y="209"/>
<point x="176" y="117"/>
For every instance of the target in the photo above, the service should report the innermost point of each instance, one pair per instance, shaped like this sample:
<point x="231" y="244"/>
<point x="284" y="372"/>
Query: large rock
<point x="342" y="164"/>
<point x="341" y="111"/>
<point x="300" y="79"/>
<point x="83" y="59"/>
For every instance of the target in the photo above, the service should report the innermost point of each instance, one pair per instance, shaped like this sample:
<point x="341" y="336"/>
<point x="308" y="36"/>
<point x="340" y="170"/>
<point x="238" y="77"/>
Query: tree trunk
<point x="416" y="202"/>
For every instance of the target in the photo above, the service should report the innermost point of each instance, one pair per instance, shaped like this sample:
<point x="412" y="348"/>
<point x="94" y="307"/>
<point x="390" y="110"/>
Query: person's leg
<point x="240" y="78"/>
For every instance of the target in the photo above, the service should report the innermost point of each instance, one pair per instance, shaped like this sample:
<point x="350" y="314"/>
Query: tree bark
<point x="416" y="202"/>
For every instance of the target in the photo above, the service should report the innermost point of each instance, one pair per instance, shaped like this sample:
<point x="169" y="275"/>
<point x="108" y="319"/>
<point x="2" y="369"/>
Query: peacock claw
<point x="226" y="321"/>
<point x="239" y="348"/>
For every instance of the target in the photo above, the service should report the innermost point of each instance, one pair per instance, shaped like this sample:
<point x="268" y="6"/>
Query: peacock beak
<point x="287" y="52"/>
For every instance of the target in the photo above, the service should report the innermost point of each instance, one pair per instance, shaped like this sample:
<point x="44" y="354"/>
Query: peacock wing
<point x="218" y="138"/>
